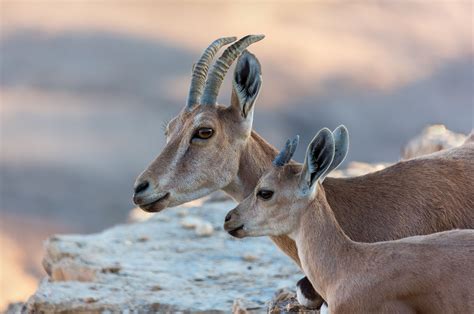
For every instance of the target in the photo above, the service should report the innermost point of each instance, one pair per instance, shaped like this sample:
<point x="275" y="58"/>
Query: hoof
<point x="306" y="295"/>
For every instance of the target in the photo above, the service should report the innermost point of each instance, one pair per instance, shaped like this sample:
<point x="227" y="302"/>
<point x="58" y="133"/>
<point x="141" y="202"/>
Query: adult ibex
<point x="420" y="274"/>
<point x="211" y="147"/>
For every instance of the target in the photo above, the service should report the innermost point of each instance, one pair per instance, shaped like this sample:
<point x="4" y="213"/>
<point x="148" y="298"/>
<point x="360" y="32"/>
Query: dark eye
<point x="265" y="194"/>
<point x="203" y="133"/>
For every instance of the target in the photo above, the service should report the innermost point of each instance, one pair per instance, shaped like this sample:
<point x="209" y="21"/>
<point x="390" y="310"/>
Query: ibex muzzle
<point x="204" y="141"/>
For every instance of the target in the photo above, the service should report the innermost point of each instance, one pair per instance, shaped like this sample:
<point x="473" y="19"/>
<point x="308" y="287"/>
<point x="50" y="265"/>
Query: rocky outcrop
<point x="433" y="138"/>
<point x="180" y="260"/>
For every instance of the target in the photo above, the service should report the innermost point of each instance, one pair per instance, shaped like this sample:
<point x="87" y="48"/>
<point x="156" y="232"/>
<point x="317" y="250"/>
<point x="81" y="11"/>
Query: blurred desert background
<point x="86" y="85"/>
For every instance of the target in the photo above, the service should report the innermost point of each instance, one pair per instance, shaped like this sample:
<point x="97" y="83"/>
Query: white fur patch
<point x="303" y="300"/>
<point x="324" y="309"/>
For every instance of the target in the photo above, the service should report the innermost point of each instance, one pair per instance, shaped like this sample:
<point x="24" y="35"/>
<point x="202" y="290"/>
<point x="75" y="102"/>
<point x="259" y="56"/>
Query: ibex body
<point x="421" y="274"/>
<point x="211" y="147"/>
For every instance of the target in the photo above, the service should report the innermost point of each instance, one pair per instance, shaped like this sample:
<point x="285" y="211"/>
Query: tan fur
<point x="420" y="196"/>
<point x="421" y="274"/>
<point x="190" y="170"/>
<point x="413" y="197"/>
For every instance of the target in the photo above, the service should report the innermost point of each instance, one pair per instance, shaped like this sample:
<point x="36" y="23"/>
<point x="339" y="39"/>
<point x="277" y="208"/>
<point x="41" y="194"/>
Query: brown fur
<point x="418" y="196"/>
<point x="421" y="274"/>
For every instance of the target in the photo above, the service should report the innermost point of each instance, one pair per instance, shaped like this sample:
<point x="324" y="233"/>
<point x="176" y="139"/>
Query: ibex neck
<point x="325" y="252"/>
<point x="255" y="159"/>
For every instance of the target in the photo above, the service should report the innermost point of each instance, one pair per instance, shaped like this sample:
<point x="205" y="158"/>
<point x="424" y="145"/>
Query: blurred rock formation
<point x="433" y="138"/>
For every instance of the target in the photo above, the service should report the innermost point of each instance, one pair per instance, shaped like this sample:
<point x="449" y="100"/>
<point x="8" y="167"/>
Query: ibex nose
<point x="228" y="216"/>
<point x="141" y="187"/>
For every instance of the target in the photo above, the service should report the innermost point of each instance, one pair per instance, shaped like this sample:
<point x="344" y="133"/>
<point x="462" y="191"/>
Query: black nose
<point x="228" y="216"/>
<point x="141" y="187"/>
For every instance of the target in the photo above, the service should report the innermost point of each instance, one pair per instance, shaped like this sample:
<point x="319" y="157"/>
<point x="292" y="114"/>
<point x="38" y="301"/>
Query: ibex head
<point x="204" y="141"/>
<point x="286" y="188"/>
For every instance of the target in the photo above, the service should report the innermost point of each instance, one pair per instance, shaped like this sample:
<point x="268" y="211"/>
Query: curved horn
<point x="223" y="64"/>
<point x="287" y="153"/>
<point x="200" y="70"/>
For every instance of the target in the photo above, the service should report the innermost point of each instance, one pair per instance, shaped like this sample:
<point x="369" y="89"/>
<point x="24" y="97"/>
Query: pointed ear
<point x="246" y="84"/>
<point x="319" y="156"/>
<point x="341" y="147"/>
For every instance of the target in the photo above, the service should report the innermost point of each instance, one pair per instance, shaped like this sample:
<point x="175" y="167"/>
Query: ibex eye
<point x="203" y="133"/>
<point x="265" y="194"/>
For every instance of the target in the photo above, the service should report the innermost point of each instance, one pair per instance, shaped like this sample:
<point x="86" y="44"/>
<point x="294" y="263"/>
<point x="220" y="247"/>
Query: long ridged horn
<point x="200" y="70"/>
<point x="216" y="77"/>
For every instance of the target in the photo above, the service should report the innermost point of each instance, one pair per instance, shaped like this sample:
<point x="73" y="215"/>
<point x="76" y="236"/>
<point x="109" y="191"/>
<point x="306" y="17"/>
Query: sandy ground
<point x="86" y="86"/>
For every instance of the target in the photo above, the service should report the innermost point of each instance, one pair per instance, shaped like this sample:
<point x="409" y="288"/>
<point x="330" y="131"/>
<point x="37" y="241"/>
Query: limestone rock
<point x="190" y="222"/>
<point x="284" y="301"/>
<point x="204" y="229"/>
<point x="242" y="306"/>
<point x="432" y="139"/>
<point x="137" y="215"/>
<point x="158" y="266"/>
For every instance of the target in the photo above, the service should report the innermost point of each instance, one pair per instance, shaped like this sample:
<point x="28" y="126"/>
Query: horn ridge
<point x="287" y="152"/>
<point x="222" y="65"/>
<point x="201" y="68"/>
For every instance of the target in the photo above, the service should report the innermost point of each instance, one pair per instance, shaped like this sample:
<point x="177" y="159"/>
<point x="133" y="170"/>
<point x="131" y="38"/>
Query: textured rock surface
<point x="161" y="265"/>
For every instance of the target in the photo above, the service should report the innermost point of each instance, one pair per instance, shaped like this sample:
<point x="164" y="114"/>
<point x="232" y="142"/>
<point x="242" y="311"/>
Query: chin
<point x="155" y="207"/>
<point x="262" y="233"/>
<point x="238" y="234"/>
<point x="242" y="232"/>
<point x="235" y="231"/>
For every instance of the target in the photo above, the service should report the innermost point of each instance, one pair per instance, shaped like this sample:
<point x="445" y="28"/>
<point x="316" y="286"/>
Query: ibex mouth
<point x="235" y="232"/>
<point x="155" y="206"/>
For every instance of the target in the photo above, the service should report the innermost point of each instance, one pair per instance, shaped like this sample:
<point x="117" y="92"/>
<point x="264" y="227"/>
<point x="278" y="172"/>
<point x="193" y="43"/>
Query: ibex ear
<point x="319" y="156"/>
<point x="246" y="84"/>
<point x="341" y="146"/>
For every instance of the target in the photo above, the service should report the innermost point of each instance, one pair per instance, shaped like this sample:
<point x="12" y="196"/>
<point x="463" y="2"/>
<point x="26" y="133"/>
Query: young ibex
<point x="211" y="147"/>
<point x="420" y="274"/>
